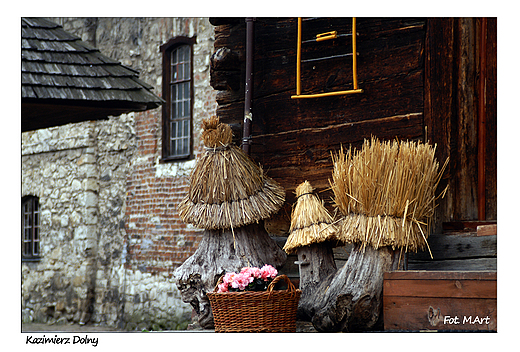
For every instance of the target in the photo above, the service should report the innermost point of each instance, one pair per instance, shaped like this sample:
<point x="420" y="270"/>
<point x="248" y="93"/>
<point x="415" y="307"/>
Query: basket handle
<point x="219" y="281"/>
<point x="290" y="286"/>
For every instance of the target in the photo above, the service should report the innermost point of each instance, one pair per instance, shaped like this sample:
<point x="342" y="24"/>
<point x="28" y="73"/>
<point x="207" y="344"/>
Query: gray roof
<point x="66" y="80"/>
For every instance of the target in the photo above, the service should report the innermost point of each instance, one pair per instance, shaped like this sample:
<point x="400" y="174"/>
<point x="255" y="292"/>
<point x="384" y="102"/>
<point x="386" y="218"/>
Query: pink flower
<point x="246" y="276"/>
<point x="253" y="272"/>
<point x="242" y="280"/>
<point x="228" y="278"/>
<point x="223" y="287"/>
<point x="268" y="271"/>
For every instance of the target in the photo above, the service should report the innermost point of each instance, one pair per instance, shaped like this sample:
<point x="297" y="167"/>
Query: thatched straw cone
<point x="227" y="189"/>
<point x="387" y="193"/>
<point x="310" y="221"/>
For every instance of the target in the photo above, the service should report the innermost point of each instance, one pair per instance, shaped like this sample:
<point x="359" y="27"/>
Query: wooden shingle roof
<point x="66" y="80"/>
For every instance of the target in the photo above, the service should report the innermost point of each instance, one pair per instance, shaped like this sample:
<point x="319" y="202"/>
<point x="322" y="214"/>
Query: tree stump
<point x="317" y="268"/>
<point x="353" y="302"/>
<point x="222" y="251"/>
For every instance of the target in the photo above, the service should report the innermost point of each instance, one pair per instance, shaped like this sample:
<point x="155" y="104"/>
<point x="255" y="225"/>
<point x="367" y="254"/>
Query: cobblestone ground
<point x="66" y="328"/>
<point x="301" y="326"/>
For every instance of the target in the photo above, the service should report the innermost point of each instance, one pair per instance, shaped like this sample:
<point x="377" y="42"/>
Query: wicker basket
<point x="249" y="311"/>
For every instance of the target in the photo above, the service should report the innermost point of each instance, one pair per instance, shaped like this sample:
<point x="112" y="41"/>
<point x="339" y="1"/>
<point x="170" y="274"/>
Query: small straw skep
<point x="227" y="189"/>
<point x="386" y="192"/>
<point x="310" y="220"/>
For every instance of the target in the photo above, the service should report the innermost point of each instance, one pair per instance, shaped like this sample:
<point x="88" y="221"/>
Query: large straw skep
<point x="386" y="191"/>
<point x="227" y="189"/>
<point x="310" y="221"/>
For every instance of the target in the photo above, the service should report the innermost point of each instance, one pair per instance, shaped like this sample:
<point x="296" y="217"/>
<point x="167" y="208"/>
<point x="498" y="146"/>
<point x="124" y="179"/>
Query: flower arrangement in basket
<point x="248" y="302"/>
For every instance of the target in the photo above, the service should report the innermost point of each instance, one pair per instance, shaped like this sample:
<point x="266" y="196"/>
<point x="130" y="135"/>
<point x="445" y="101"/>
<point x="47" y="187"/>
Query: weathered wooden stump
<point x="353" y="301"/>
<point x="222" y="251"/>
<point x="317" y="268"/>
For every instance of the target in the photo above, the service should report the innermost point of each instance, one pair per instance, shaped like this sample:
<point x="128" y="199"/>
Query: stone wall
<point x="111" y="236"/>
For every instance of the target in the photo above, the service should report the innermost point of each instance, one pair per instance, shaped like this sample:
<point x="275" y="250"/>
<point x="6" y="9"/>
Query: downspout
<point x="248" y="111"/>
<point x="481" y="152"/>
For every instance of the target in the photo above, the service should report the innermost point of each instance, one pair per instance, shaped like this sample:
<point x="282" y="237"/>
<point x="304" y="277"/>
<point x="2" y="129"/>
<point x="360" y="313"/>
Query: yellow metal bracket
<point x="322" y="37"/>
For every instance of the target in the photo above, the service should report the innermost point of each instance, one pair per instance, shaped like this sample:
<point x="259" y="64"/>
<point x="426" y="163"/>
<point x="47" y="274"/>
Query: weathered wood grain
<point x="317" y="269"/>
<point x="458" y="246"/>
<point x="481" y="264"/>
<point x="353" y="300"/>
<point x="419" y="313"/>
<point x="430" y="300"/>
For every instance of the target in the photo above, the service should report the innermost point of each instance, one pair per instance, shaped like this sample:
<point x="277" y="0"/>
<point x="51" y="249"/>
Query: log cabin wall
<point x="461" y="59"/>
<point x="420" y="80"/>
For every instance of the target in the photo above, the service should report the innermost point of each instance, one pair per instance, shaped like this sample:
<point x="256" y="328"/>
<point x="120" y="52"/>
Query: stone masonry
<point x="110" y="234"/>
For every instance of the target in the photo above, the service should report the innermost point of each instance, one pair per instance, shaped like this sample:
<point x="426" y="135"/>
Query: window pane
<point x="186" y="90"/>
<point x="187" y="69"/>
<point x="173" y="146"/>
<point x="179" y="93"/>
<point x="180" y="72"/>
<point x="185" y="146"/>
<point x="186" y="127"/>
<point x="27" y="249"/>
<point x="186" y="108"/>
<point x="173" y="129"/>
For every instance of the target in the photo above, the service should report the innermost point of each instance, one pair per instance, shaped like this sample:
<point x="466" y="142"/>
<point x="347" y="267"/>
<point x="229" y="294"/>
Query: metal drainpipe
<point x="248" y="111"/>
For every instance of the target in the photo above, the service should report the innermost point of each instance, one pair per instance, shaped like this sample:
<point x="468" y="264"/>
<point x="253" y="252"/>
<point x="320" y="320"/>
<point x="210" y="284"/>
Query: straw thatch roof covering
<point x="228" y="189"/>
<point x="386" y="191"/>
<point x="310" y="220"/>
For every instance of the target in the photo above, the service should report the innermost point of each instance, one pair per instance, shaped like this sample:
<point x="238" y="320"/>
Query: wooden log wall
<point x="293" y="138"/>
<point x="452" y="104"/>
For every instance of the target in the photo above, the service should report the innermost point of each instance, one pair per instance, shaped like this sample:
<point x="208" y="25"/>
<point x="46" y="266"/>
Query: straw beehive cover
<point x="227" y="189"/>
<point x="386" y="191"/>
<point x="310" y="220"/>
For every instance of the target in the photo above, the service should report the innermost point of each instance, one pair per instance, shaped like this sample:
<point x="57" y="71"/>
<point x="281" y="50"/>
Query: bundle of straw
<point x="387" y="193"/>
<point x="227" y="189"/>
<point x="310" y="220"/>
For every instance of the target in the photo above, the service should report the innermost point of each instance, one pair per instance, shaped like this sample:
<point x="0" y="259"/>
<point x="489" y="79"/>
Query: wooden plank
<point x="458" y="246"/>
<point x="487" y="230"/>
<point x="461" y="288"/>
<point x="438" y="103"/>
<point x="491" y="119"/>
<point x="454" y="264"/>
<point x="440" y="275"/>
<point x="464" y="225"/>
<point x="425" y="313"/>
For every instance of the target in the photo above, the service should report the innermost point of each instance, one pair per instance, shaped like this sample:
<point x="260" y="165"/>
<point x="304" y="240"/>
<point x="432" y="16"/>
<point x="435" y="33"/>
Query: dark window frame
<point x="167" y="49"/>
<point x="31" y="235"/>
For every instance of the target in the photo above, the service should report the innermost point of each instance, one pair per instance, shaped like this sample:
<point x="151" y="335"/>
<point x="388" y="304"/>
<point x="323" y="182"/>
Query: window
<point x="30" y="228"/>
<point x="178" y="93"/>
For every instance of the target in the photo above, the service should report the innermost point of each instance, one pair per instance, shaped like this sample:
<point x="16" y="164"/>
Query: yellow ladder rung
<point x="326" y="36"/>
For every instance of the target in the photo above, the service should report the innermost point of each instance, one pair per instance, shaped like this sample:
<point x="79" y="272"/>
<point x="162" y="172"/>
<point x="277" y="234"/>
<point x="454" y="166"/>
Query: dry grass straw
<point x="386" y="191"/>
<point x="227" y="189"/>
<point x="310" y="220"/>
